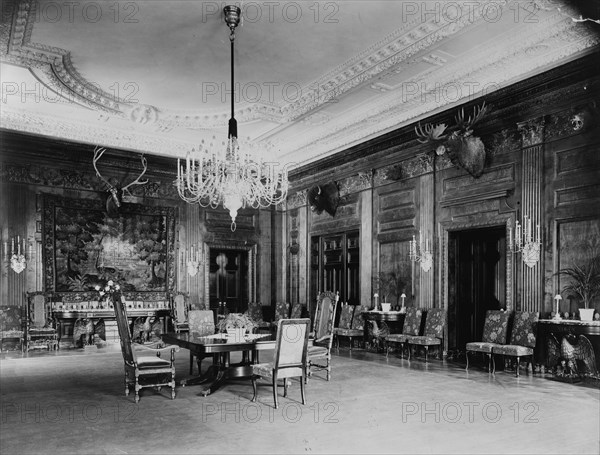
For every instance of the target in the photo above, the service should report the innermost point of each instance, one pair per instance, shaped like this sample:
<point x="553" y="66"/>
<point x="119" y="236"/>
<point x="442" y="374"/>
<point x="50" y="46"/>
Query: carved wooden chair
<point x="495" y="331"/>
<point x="289" y="359"/>
<point x="143" y="365"/>
<point x="433" y="334"/>
<point x="40" y="331"/>
<point x="323" y="333"/>
<point x="11" y="327"/>
<point x="344" y="324"/>
<point x="201" y="323"/>
<point x="522" y="338"/>
<point x="411" y="327"/>
<point x="179" y="312"/>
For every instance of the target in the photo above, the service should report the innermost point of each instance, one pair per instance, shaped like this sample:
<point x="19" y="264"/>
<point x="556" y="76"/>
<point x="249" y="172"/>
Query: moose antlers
<point x="478" y="113"/>
<point x="436" y="132"/>
<point x="116" y="193"/>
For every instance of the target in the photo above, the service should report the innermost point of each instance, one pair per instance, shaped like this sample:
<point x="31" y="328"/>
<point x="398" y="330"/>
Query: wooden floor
<point x="67" y="402"/>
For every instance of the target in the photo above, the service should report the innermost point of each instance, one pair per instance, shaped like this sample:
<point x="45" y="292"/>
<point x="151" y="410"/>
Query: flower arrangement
<point x="236" y="321"/>
<point x="111" y="291"/>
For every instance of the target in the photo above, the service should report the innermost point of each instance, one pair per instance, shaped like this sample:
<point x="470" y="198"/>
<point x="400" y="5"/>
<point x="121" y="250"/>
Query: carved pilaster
<point x="532" y="171"/>
<point x="297" y="199"/>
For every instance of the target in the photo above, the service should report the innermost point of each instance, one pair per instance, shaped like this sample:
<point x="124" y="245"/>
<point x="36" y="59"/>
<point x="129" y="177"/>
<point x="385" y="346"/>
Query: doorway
<point x="476" y="281"/>
<point x="228" y="279"/>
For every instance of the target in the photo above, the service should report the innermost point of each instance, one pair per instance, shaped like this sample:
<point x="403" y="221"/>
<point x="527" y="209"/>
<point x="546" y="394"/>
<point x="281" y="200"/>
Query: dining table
<point x="220" y="346"/>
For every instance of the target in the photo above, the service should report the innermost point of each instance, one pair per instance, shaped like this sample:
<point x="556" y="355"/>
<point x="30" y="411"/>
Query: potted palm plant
<point x="584" y="282"/>
<point x="390" y="284"/>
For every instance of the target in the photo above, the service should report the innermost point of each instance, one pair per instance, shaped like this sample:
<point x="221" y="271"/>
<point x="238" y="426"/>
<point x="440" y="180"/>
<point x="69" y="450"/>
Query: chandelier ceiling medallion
<point x="231" y="175"/>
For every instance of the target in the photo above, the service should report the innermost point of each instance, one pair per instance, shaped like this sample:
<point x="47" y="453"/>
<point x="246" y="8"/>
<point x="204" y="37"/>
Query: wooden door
<point x="228" y="276"/>
<point x="476" y="277"/>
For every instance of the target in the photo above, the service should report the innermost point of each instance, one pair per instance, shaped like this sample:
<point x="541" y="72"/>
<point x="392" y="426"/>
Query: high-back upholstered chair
<point x="201" y="323"/>
<point x="495" y="331"/>
<point x="255" y="313"/>
<point x="433" y="334"/>
<point x="522" y="338"/>
<point x="179" y="313"/>
<point x="346" y="312"/>
<point x="411" y="327"/>
<point x="39" y="328"/>
<point x="11" y="326"/>
<point x="282" y="311"/>
<point x="142" y="360"/>
<point x="296" y="312"/>
<point x="289" y="358"/>
<point x="323" y="333"/>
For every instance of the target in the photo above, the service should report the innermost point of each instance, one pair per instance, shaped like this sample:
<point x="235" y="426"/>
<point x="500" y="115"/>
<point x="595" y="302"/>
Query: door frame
<point x="445" y="228"/>
<point x="250" y="249"/>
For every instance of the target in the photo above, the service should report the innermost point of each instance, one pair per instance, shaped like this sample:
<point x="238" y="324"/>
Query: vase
<point x="236" y="334"/>
<point x="586" y="314"/>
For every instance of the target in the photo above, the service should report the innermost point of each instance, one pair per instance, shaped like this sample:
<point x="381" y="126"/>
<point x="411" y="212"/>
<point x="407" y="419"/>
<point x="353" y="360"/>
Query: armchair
<point x="289" y="359"/>
<point x="495" y="331"/>
<point x="323" y="333"/>
<point x="140" y="368"/>
<point x="39" y="328"/>
<point x="522" y="338"/>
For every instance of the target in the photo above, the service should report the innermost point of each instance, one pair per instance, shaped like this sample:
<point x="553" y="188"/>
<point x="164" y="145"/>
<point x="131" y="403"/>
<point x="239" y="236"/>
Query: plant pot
<point x="386" y="307"/>
<point x="586" y="314"/>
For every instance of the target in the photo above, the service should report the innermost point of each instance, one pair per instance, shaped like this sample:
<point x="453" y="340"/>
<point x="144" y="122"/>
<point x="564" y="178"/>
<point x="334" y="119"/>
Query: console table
<point x="66" y="318"/>
<point x="393" y="319"/>
<point x="560" y="328"/>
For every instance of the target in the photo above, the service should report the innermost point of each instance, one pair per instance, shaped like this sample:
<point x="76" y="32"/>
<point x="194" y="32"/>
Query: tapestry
<point x="84" y="247"/>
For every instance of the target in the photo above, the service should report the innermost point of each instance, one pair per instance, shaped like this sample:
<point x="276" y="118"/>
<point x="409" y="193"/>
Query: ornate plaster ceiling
<point x="312" y="77"/>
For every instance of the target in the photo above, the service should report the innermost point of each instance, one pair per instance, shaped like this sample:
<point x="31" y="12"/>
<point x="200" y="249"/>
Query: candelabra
<point x="524" y="242"/>
<point x="196" y="258"/>
<point x="18" y="261"/>
<point x="418" y="254"/>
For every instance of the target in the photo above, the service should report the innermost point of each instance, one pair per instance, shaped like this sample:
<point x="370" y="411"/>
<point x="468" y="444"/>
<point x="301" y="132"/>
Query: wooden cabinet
<point x="335" y="265"/>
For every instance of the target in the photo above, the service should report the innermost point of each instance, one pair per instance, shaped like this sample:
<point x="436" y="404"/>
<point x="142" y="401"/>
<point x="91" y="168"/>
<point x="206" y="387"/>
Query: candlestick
<point x="558" y="298"/>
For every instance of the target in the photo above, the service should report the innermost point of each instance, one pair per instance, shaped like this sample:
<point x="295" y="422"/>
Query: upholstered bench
<point x="495" y="332"/>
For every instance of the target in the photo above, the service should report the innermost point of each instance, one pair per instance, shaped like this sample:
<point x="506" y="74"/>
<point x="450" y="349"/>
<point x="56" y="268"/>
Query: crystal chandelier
<point x="230" y="175"/>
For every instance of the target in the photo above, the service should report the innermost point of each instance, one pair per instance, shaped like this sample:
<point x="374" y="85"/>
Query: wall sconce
<point x="196" y="258"/>
<point x="417" y="254"/>
<point x="18" y="262"/>
<point x="524" y="243"/>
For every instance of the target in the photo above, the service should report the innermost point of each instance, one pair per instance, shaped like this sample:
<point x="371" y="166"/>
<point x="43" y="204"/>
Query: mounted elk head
<point x="117" y="195"/>
<point x="464" y="149"/>
<point x="324" y="197"/>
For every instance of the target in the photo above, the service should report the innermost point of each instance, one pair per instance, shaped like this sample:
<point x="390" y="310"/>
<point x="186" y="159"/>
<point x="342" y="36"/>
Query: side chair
<point x="411" y="327"/>
<point x="433" y="334"/>
<point x="522" y="338"/>
<point x="323" y="333"/>
<point x="143" y="365"/>
<point x="179" y="313"/>
<point x="39" y="328"/>
<point x="289" y="358"/>
<point x="495" y="331"/>
<point x="344" y="324"/>
<point x="201" y="323"/>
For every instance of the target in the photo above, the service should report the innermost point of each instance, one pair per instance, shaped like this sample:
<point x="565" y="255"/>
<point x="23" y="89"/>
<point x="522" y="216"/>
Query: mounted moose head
<point x="324" y="197"/>
<point x="117" y="195"/>
<point x="463" y="148"/>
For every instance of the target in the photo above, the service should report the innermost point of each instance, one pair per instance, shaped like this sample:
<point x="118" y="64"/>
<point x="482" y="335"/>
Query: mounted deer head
<point x="464" y="149"/>
<point x="117" y="195"/>
<point x="324" y="197"/>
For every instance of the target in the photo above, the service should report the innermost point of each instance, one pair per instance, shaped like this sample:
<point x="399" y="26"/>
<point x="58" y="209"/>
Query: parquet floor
<point x="67" y="402"/>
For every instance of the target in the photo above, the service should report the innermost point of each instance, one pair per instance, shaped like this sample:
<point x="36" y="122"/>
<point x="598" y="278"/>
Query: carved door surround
<point x="250" y="249"/>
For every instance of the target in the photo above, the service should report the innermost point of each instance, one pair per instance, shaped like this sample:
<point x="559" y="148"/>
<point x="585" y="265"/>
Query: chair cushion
<point x="424" y="340"/>
<point x="435" y="321"/>
<point x="495" y="327"/>
<point x="148" y="362"/>
<point x="317" y="351"/>
<point x="412" y="321"/>
<point x="481" y="346"/>
<point x="38" y="332"/>
<point x="398" y="337"/>
<point x="265" y="370"/>
<point x="349" y="332"/>
<point x="513" y="350"/>
<point x="11" y="334"/>
<point x="524" y="328"/>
